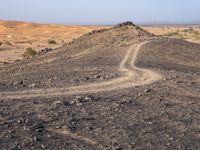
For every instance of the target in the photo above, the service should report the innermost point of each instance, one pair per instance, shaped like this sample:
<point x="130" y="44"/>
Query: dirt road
<point x="132" y="76"/>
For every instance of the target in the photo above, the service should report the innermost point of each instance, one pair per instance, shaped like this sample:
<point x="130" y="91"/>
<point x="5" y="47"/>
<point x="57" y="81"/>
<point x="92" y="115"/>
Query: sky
<point x="104" y="12"/>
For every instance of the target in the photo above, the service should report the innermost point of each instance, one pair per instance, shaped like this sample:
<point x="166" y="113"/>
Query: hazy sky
<point x="101" y="11"/>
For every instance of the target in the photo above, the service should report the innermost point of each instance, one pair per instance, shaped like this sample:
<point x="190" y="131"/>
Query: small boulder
<point x="57" y="102"/>
<point x="147" y="90"/>
<point x="89" y="98"/>
<point x="32" y="86"/>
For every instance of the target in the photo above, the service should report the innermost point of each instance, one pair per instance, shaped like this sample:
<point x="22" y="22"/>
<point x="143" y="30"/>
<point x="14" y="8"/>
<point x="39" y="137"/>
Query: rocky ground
<point x="162" y="115"/>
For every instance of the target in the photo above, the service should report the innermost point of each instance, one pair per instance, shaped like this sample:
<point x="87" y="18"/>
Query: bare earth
<point x="189" y="33"/>
<point x="120" y="88"/>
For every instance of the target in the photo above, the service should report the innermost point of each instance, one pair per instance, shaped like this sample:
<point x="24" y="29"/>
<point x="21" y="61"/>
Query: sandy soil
<point x="17" y="36"/>
<point x="189" y="33"/>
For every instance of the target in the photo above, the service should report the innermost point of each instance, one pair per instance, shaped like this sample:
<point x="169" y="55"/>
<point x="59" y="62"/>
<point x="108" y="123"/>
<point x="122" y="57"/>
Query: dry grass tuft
<point x="29" y="53"/>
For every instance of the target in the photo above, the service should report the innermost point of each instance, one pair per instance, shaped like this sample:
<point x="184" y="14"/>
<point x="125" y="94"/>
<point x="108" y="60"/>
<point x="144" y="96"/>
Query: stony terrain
<point x="119" y="88"/>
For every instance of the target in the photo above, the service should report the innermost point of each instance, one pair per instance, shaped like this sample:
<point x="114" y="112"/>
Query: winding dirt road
<point x="132" y="76"/>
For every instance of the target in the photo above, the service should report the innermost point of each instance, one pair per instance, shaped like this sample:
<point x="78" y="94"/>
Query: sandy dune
<point x="17" y="36"/>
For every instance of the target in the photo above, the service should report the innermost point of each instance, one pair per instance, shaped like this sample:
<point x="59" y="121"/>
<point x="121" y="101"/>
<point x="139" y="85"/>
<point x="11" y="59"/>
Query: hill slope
<point x="100" y="51"/>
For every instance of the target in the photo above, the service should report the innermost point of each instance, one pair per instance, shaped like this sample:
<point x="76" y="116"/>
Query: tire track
<point x="132" y="76"/>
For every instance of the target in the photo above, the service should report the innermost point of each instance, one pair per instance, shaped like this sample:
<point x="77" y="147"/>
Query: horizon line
<point x="106" y="24"/>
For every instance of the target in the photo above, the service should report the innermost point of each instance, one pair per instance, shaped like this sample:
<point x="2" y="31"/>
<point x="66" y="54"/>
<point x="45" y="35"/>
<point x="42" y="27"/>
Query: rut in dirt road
<point x="132" y="76"/>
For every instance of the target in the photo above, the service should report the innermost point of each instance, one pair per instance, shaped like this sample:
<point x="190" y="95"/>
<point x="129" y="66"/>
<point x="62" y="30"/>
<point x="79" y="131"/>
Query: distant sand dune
<point x="22" y="35"/>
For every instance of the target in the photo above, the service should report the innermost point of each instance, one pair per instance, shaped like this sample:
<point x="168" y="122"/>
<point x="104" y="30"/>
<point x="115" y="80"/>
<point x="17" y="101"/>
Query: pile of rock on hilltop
<point x="123" y="28"/>
<point x="128" y="23"/>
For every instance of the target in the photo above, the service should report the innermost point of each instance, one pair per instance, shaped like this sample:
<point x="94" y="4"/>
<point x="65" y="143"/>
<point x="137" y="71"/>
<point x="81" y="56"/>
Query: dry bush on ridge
<point x="29" y="53"/>
<point x="52" y="42"/>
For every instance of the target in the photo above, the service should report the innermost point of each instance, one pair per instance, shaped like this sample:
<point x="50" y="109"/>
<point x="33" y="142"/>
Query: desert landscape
<point x="187" y="32"/>
<point x="16" y="37"/>
<point x="121" y="87"/>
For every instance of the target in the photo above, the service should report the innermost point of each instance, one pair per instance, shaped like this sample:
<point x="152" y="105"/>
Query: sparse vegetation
<point x="197" y="38"/>
<point x="196" y="32"/>
<point x="185" y="30"/>
<point x="30" y="52"/>
<point x="172" y="34"/>
<point x="191" y="33"/>
<point x="1" y="43"/>
<point x="191" y="29"/>
<point x="8" y="43"/>
<point x="52" y="41"/>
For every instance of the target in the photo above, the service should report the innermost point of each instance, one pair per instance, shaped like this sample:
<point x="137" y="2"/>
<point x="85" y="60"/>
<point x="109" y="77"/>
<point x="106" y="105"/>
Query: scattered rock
<point x="79" y="104"/>
<point x="39" y="128"/>
<point x="32" y="86"/>
<point x="97" y="76"/>
<point x="66" y="103"/>
<point x="126" y="101"/>
<point x="89" y="128"/>
<point x="128" y="23"/>
<point x="17" y="60"/>
<point x="55" y="78"/>
<point x="73" y="102"/>
<point x="58" y="127"/>
<point x="75" y="81"/>
<point x="21" y="82"/>
<point x="9" y="131"/>
<point x="169" y="78"/>
<point x="78" y="99"/>
<point x="86" y="78"/>
<point x="19" y="121"/>
<point x="179" y="82"/>
<point x="26" y="121"/>
<point x="102" y="78"/>
<point x="9" y="36"/>
<point x="147" y="90"/>
<point x="64" y="127"/>
<point x="113" y="75"/>
<point x="45" y="50"/>
<point x="26" y="128"/>
<point x="5" y="63"/>
<point x="43" y="146"/>
<point x="35" y="139"/>
<point x="89" y="98"/>
<point x="57" y="102"/>
<point x="117" y="148"/>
